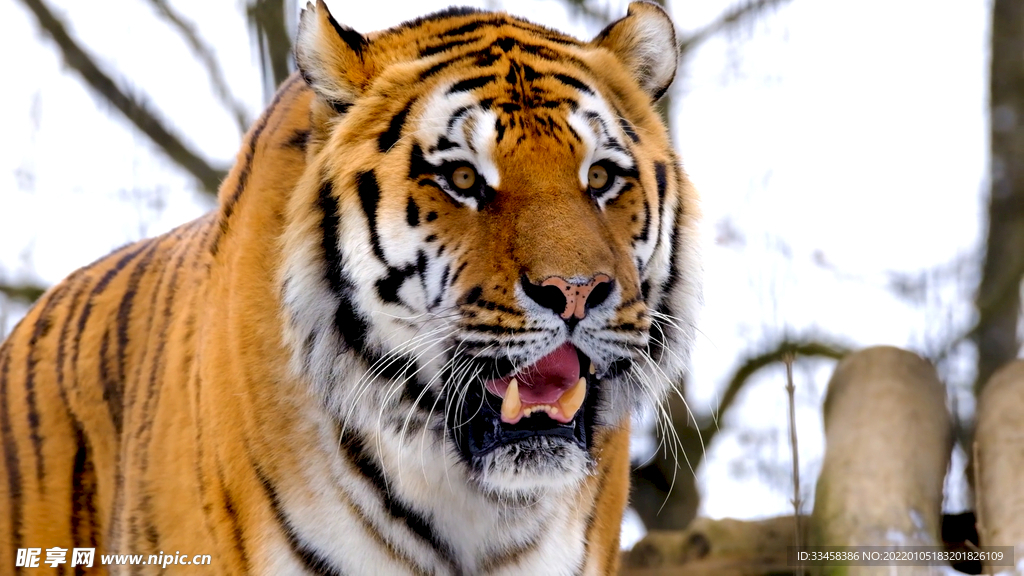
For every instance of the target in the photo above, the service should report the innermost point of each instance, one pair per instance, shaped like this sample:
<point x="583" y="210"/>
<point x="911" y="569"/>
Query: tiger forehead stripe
<point x="496" y="48"/>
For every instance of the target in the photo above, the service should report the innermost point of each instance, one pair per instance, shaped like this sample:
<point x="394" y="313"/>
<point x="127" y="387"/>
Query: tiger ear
<point x="645" y="41"/>
<point x="332" y="58"/>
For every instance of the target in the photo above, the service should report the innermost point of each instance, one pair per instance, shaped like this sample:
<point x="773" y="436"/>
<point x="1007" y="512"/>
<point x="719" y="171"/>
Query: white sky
<point x="835" y="143"/>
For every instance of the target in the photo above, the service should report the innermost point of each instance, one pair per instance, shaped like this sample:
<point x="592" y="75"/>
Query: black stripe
<point x="499" y="127"/>
<point x="354" y="39"/>
<point x="467" y="28"/>
<point x="482" y="59"/>
<point x="311" y="558"/>
<point x="414" y="390"/>
<point x="553" y="55"/>
<point x="470" y="84"/>
<point x="350" y="324"/>
<point x="356" y="450"/>
<point x="237" y="532"/>
<point x="228" y="207"/>
<point x="445" y="14"/>
<point x="438" y="48"/>
<point x="123" y="322"/>
<point x="112" y="387"/>
<point x="418" y="166"/>
<point x="444" y="282"/>
<point x="660" y="178"/>
<point x="458" y="272"/>
<point x="577" y="84"/>
<point x="83" y="497"/>
<point x="456" y="115"/>
<point x="390" y="137"/>
<point x="340" y="107"/>
<point x="330" y="220"/>
<point x="40" y="329"/>
<point x="496" y="329"/>
<point x="300" y="139"/>
<point x="369" y="197"/>
<point x="471" y="295"/>
<point x="657" y="332"/>
<point x="627" y="127"/>
<point x="388" y="286"/>
<point x="645" y="233"/>
<point x="488" y="305"/>
<point x="412" y="213"/>
<point x="65" y="331"/>
<point x="11" y="461"/>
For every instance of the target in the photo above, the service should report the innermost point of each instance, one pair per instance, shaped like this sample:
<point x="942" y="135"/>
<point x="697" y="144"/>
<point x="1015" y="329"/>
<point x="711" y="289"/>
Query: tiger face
<point x="494" y="235"/>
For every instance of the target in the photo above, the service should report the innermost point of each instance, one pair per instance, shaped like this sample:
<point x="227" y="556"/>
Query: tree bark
<point x="998" y="298"/>
<point x="888" y="437"/>
<point x="999" y="460"/>
<point x="269" y="27"/>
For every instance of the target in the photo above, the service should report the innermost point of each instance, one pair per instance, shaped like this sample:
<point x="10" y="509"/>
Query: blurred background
<point x="861" y="165"/>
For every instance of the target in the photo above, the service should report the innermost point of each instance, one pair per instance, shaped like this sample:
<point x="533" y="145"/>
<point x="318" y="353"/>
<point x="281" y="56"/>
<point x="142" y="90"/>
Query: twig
<point x="755" y="363"/>
<point x="204" y="53"/>
<point x="726" y="21"/>
<point x="27" y="293"/>
<point x="788" y="358"/>
<point x="583" y="8"/>
<point x="133" y="107"/>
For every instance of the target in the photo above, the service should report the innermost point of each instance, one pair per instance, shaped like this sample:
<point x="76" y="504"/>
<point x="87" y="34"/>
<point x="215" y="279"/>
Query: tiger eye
<point x="464" y="177"/>
<point x="598" y="177"/>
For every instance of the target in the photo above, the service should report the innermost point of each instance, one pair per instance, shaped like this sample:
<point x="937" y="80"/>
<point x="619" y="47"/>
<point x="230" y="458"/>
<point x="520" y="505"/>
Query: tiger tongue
<point x="544" y="381"/>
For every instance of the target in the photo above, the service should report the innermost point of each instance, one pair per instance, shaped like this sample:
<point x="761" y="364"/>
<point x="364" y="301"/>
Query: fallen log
<point x="999" y="462"/>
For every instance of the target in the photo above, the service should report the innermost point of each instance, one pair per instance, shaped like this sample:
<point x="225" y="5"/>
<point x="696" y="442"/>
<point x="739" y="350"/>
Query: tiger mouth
<point x="555" y="397"/>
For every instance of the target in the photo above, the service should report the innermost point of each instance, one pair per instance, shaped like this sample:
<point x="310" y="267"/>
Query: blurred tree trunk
<point x="269" y="25"/>
<point x="998" y="298"/>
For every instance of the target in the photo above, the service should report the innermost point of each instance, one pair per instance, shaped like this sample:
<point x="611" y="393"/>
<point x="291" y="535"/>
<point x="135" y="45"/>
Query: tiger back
<point x="450" y="261"/>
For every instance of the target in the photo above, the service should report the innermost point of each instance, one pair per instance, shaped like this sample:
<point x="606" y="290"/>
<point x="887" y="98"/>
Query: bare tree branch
<point x="133" y="107"/>
<point x="775" y="355"/>
<point x="204" y="53"/>
<point x="269" y="26"/>
<point x="583" y="8"/>
<point x="733" y="17"/>
<point x="27" y="293"/>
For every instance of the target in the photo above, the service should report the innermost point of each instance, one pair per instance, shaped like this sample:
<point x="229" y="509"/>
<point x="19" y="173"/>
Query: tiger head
<point x="490" y="253"/>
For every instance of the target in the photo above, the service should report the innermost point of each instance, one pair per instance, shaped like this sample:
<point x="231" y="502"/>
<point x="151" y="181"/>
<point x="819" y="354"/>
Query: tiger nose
<point x="570" y="300"/>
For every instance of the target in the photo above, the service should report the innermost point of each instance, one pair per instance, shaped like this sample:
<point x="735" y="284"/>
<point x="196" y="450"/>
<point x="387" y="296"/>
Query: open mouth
<point x="555" y="397"/>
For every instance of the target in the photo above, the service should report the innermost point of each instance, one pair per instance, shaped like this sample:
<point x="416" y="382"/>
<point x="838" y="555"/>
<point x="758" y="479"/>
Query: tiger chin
<point x="451" y="260"/>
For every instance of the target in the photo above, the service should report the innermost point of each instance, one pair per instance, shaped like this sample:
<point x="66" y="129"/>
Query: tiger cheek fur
<point x="450" y="261"/>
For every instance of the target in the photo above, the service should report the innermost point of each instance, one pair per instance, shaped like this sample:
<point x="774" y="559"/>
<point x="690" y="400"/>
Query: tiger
<point x="451" y="260"/>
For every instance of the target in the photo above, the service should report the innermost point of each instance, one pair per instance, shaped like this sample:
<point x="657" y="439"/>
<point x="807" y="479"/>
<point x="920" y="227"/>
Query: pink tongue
<point x="544" y="381"/>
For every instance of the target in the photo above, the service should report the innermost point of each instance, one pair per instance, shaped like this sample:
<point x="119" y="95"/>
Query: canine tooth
<point x="572" y="399"/>
<point x="593" y="369"/>
<point x="511" y="405"/>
